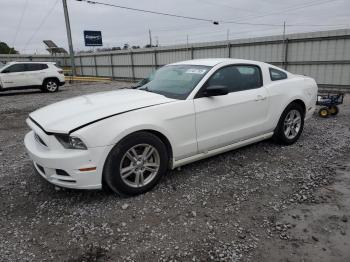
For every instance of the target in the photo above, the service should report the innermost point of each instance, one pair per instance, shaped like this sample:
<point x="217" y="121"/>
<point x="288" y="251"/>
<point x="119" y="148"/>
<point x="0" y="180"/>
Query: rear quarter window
<point x="276" y="74"/>
<point x="57" y="67"/>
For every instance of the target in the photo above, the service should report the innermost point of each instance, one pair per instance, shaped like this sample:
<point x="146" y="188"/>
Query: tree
<point x="5" y="49"/>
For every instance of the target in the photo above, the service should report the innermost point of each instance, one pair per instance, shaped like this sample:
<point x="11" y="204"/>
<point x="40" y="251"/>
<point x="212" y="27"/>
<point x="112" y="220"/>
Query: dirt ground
<point x="263" y="202"/>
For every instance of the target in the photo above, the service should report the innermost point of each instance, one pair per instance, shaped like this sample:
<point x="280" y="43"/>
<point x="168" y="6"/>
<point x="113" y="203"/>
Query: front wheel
<point x="136" y="164"/>
<point x="50" y="85"/>
<point x="324" y="112"/>
<point x="290" y="125"/>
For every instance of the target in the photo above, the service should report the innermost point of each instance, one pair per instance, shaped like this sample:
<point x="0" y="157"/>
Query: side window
<point x="44" y="66"/>
<point x="237" y="77"/>
<point x="15" y="68"/>
<point x="35" y="67"/>
<point x="276" y="74"/>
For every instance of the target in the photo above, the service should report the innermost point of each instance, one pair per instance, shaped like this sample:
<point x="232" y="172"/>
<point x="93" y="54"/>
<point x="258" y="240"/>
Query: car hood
<point x="71" y="114"/>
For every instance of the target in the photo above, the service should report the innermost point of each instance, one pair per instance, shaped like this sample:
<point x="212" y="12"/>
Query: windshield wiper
<point x="146" y="89"/>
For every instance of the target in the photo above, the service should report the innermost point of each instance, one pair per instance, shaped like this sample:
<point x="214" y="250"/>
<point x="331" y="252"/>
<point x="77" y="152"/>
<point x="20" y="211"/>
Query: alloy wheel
<point x="292" y="124"/>
<point x="51" y="86"/>
<point x="139" y="165"/>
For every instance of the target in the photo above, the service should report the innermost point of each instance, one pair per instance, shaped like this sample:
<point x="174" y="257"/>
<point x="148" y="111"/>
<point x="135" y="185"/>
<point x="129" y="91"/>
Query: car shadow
<point x="14" y="93"/>
<point x="24" y="92"/>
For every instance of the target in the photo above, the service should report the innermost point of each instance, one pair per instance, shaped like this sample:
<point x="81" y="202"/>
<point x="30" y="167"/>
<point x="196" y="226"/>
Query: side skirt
<point x="185" y="161"/>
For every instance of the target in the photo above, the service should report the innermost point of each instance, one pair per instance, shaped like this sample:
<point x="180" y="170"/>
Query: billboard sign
<point x="93" y="38"/>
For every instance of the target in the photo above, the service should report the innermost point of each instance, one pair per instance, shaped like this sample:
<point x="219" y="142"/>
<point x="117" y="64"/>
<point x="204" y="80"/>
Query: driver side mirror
<point x="215" y="90"/>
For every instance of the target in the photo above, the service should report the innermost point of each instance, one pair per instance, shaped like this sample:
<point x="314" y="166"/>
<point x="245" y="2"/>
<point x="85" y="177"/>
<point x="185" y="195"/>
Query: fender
<point x="103" y="118"/>
<point x="163" y="119"/>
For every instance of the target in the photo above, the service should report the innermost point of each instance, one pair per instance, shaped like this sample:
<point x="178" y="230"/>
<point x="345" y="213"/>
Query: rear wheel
<point x="333" y="110"/>
<point x="324" y="112"/>
<point x="136" y="164"/>
<point x="290" y="125"/>
<point x="50" y="85"/>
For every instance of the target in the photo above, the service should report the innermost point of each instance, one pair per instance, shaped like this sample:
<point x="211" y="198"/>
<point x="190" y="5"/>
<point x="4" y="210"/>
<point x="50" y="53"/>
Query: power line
<point x="166" y="29"/>
<point x="291" y="8"/>
<point x="40" y="24"/>
<point x="271" y="25"/>
<point x="149" y="11"/>
<point x="181" y="29"/>
<point x="224" y="33"/>
<point x="279" y="11"/>
<point x="225" y="6"/>
<point x="216" y="22"/>
<point x="255" y="24"/>
<point x="279" y="25"/>
<point x="19" y="24"/>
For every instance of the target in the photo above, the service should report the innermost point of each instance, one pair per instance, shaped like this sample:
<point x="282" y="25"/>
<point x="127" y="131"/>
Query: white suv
<point x="22" y="75"/>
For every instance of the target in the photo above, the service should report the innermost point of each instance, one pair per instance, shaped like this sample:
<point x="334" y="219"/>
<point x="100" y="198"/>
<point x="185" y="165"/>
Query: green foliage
<point x="5" y="49"/>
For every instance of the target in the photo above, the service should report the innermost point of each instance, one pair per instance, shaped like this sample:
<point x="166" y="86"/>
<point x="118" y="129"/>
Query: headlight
<point x="70" y="142"/>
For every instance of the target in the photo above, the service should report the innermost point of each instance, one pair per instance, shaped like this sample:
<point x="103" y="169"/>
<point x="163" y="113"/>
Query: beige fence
<point x="323" y="55"/>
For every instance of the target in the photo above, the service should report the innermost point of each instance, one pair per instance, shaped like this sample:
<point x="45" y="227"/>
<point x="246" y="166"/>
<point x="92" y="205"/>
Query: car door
<point x="35" y="73"/>
<point x="13" y="76"/>
<point x="241" y="114"/>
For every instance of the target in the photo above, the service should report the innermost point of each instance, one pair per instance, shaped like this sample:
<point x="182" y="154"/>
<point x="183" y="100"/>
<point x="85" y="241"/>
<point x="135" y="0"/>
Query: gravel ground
<point x="263" y="202"/>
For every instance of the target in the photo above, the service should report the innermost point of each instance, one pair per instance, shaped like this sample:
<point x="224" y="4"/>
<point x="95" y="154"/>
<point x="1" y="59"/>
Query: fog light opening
<point x="61" y="172"/>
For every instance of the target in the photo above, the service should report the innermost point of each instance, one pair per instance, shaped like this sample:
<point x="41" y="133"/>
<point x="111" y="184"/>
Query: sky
<point x="24" y="24"/>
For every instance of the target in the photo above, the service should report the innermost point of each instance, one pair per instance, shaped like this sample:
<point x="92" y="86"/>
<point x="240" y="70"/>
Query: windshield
<point x="175" y="81"/>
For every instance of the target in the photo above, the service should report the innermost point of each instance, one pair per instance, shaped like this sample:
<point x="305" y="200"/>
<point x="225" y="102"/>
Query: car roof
<point x="214" y="61"/>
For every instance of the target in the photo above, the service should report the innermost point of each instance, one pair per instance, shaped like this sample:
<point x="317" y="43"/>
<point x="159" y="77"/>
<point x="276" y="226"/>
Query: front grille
<point x="38" y="138"/>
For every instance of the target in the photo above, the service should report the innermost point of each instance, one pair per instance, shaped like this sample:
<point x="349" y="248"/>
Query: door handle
<point x="260" y="98"/>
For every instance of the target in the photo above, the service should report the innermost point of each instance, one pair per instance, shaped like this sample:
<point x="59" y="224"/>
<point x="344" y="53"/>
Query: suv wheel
<point x="290" y="125"/>
<point x="136" y="164"/>
<point x="50" y="85"/>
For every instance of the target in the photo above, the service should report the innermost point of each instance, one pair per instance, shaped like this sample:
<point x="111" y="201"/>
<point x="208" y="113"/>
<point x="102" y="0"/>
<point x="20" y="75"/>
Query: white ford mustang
<point x="127" y="139"/>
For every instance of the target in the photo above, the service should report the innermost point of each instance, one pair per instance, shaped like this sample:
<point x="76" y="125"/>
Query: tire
<point x="126" y="175"/>
<point x="50" y="85"/>
<point x="290" y="126"/>
<point x="324" y="112"/>
<point x="333" y="110"/>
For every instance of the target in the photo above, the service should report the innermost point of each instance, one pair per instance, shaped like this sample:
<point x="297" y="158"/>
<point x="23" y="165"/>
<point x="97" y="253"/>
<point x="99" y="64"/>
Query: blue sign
<point x="93" y="38"/>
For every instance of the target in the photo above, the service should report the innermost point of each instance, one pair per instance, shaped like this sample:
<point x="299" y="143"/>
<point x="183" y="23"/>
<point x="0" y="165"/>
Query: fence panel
<point x="323" y="55"/>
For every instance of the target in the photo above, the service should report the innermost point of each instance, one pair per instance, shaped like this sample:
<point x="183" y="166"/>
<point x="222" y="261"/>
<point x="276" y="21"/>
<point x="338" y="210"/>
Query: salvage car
<point x="127" y="139"/>
<point x="28" y="75"/>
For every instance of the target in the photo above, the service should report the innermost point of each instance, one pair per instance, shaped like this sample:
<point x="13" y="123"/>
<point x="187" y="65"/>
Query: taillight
<point x="60" y="72"/>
